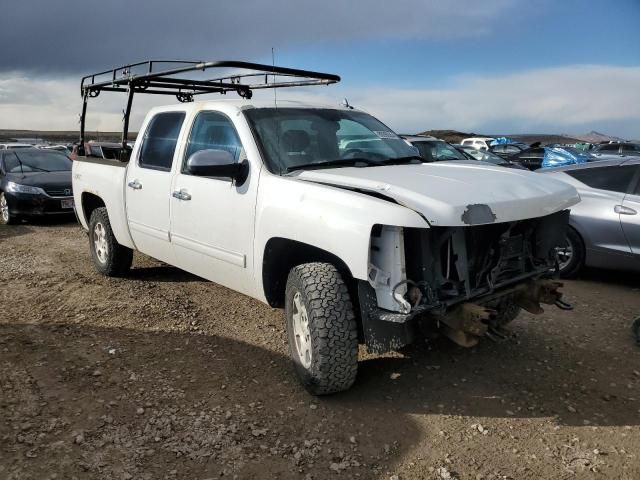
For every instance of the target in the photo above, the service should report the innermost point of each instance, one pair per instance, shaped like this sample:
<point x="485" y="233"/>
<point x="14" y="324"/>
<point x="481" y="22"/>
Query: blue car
<point x="546" y="157"/>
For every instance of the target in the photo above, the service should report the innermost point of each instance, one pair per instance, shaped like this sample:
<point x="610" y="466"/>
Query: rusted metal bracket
<point x="465" y="324"/>
<point x="540" y="291"/>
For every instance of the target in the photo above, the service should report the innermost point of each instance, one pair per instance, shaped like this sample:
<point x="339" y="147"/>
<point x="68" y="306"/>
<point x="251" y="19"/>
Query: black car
<point x="505" y="150"/>
<point x="530" y="158"/>
<point x="619" y="148"/>
<point x="34" y="182"/>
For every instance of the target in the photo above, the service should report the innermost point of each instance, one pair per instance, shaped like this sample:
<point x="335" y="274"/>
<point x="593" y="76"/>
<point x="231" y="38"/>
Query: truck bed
<point x="106" y="180"/>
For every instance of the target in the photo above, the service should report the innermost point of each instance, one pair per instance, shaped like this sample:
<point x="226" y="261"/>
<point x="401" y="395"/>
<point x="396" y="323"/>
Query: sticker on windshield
<point x="385" y="134"/>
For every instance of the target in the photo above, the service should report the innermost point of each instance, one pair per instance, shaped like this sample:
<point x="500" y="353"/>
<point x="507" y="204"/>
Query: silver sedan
<point x="604" y="227"/>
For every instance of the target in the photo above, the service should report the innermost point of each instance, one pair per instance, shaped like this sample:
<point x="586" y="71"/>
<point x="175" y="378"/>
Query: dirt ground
<point x="165" y="376"/>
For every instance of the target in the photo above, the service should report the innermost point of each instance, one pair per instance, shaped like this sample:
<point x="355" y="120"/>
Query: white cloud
<point x="563" y="99"/>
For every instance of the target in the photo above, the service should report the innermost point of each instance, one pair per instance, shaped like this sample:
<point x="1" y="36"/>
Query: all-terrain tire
<point x="112" y="259"/>
<point x="6" y="218"/>
<point x="576" y="263"/>
<point x="333" y="363"/>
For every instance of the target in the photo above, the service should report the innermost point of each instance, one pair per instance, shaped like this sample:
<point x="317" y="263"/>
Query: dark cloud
<point x="73" y="36"/>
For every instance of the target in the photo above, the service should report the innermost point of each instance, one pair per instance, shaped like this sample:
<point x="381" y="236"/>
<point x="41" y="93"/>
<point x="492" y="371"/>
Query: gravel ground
<point x="165" y="376"/>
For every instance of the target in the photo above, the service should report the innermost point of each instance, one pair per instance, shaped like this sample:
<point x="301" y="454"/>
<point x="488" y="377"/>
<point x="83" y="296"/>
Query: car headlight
<point x="17" y="188"/>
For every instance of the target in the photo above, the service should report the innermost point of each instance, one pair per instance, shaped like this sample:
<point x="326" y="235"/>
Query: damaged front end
<point x="465" y="282"/>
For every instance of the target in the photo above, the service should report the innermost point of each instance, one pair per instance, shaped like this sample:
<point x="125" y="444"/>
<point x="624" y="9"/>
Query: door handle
<point x="181" y="195"/>
<point x="135" y="184"/>
<point x="622" y="210"/>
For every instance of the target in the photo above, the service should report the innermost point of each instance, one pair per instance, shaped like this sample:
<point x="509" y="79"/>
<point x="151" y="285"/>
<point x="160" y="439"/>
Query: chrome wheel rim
<point x="4" y="209"/>
<point x="100" y="242"/>
<point x="565" y="254"/>
<point x="301" y="333"/>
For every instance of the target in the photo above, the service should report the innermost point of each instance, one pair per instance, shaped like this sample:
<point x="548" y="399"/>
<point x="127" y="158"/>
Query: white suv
<point x="479" y="143"/>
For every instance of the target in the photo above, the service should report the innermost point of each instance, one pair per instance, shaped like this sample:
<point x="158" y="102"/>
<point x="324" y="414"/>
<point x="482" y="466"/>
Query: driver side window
<point x="213" y="131"/>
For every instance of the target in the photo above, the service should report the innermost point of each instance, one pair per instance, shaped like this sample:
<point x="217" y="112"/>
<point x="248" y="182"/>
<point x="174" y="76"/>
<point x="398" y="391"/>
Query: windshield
<point x="293" y="138"/>
<point x="576" y="152"/>
<point x="37" y="161"/>
<point x="437" y="150"/>
<point x="485" y="156"/>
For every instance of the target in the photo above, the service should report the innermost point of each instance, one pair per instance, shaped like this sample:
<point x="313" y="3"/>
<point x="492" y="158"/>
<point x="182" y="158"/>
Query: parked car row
<point x="360" y="235"/>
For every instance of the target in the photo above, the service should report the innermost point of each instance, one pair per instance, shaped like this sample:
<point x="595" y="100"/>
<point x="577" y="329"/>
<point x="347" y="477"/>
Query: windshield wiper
<point x="340" y="162"/>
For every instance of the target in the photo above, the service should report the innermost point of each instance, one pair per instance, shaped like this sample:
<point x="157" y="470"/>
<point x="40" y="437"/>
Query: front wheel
<point x="571" y="254"/>
<point x="6" y="218"/>
<point x="321" y="325"/>
<point x="109" y="257"/>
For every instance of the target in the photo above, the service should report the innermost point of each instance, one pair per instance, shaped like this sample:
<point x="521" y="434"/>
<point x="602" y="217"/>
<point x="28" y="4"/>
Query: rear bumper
<point x="38" y="205"/>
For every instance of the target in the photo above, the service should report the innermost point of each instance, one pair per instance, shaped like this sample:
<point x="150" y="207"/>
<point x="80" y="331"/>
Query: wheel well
<point x="282" y="254"/>
<point x="577" y="232"/>
<point x="89" y="203"/>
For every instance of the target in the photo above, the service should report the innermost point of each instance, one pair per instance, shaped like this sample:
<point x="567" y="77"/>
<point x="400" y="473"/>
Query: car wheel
<point x="571" y="254"/>
<point x="6" y="218"/>
<point x="109" y="257"/>
<point x="321" y="326"/>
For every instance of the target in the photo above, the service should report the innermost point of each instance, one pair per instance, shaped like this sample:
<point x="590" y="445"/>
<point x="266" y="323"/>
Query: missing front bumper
<point x="464" y="323"/>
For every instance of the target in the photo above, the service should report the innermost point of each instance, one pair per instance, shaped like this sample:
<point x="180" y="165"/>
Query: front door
<point x="148" y="189"/>
<point x="213" y="218"/>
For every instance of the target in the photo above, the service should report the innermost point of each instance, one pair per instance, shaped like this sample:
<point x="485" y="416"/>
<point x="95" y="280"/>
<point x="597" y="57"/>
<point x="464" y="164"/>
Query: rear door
<point x="213" y="218"/>
<point x="148" y="188"/>
<point x="630" y="214"/>
<point x="598" y="214"/>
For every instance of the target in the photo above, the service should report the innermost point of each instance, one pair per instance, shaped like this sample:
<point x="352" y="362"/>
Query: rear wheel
<point x="109" y="257"/>
<point x="571" y="254"/>
<point x="321" y="325"/>
<point x="6" y="218"/>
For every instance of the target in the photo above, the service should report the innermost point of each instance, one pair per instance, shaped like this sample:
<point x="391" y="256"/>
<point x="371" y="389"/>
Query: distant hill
<point x="451" y="136"/>
<point x="597" y="137"/>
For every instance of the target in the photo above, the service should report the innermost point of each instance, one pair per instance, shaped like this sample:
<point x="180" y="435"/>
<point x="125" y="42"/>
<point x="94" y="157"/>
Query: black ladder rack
<point x="146" y="77"/>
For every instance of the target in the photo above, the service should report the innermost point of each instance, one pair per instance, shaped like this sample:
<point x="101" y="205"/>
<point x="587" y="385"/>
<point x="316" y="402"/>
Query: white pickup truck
<point x="330" y="215"/>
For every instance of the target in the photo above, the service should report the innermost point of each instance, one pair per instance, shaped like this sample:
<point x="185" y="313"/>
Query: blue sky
<point x="509" y="66"/>
<point x="530" y="35"/>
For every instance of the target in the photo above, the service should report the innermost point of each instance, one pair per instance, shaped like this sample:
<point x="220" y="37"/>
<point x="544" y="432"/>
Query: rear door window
<point x="160" y="140"/>
<point x="613" y="179"/>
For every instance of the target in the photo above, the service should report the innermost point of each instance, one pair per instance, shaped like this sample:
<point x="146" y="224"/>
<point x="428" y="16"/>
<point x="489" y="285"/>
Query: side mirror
<point x="219" y="164"/>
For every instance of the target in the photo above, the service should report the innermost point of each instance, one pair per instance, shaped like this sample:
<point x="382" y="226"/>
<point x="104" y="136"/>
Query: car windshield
<point x="437" y="150"/>
<point x="485" y="156"/>
<point x="298" y="138"/>
<point x="37" y="161"/>
<point x="575" y="151"/>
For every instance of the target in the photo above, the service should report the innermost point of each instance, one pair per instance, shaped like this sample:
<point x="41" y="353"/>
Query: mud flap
<point x="383" y="331"/>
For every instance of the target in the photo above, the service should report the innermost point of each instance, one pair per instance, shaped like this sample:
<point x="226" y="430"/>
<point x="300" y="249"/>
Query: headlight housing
<point x="28" y="189"/>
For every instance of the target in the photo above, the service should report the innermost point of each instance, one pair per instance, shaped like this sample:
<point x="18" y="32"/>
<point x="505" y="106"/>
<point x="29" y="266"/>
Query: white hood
<point x="457" y="193"/>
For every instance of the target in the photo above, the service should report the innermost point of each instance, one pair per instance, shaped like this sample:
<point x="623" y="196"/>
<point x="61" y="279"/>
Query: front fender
<point x="333" y="219"/>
